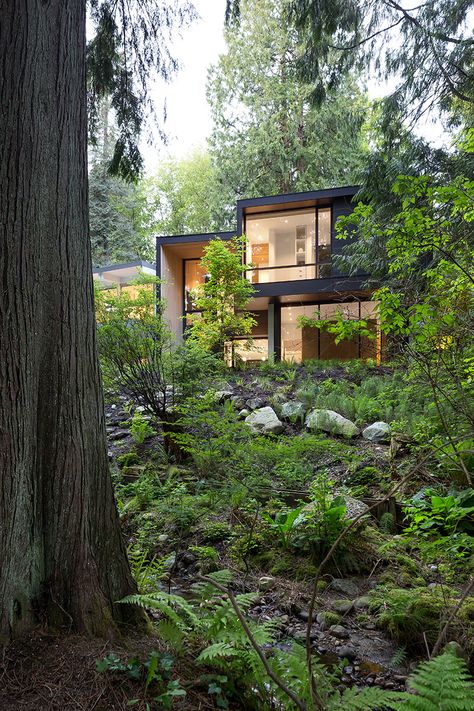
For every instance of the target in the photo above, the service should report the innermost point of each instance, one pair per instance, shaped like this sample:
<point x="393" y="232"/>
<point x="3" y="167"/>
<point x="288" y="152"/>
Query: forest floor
<point x="266" y="508"/>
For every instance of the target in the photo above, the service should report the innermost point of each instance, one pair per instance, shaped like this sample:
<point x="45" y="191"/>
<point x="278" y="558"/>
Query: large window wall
<point x="194" y="275"/>
<point x="289" y="245"/>
<point x="299" y="344"/>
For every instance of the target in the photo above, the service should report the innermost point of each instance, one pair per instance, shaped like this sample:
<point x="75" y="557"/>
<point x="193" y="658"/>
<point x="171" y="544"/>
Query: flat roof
<point x="307" y="195"/>
<point x="196" y="237"/>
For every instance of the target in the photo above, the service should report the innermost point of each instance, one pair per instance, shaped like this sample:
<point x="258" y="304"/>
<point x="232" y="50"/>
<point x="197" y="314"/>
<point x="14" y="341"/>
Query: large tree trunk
<point x="62" y="558"/>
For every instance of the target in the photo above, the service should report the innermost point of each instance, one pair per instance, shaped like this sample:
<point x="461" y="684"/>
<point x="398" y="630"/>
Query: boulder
<point x="332" y="422"/>
<point x="354" y="507"/>
<point x="293" y="410"/>
<point x="255" y="403"/>
<point x="339" y="632"/>
<point x="342" y="606"/>
<point x="266" y="582"/>
<point x="346" y="587"/>
<point x="377" y="432"/>
<point x="243" y="414"/>
<point x="238" y="402"/>
<point x="222" y="395"/>
<point x="264" y="421"/>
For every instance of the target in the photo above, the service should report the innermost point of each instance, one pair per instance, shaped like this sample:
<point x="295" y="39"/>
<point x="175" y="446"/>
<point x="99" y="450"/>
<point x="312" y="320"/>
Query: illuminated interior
<point x="299" y="344"/>
<point x="282" y="246"/>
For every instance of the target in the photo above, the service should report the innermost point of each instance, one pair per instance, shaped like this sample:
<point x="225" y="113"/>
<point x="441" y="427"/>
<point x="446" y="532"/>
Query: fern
<point x="363" y="700"/>
<point x="166" y="604"/>
<point x="442" y="684"/>
<point x="217" y="651"/>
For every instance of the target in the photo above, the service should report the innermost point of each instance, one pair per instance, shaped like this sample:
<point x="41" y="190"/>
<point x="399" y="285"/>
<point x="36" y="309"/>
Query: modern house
<point x="122" y="276"/>
<point x="290" y="243"/>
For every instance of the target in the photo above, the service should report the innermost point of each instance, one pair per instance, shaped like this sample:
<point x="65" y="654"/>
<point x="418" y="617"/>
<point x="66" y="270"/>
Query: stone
<point x="266" y="582"/>
<point x="346" y="587"/>
<point x="347" y="652"/>
<point x="238" y="402"/>
<point x="162" y="538"/>
<point x="293" y="411"/>
<point x="264" y="421"/>
<point x="255" y="403"/>
<point x="243" y="414"/>
<point x="170" y="562"/>
<point x="222" y="395"/>
<point x="339" y="632"/>
<point x="331" y="422"/>
<point x="362" y="603"/>
<point x="118" y="434"/>
<point x="377" y="432"/>
<point x="354" y="507"/>
<point x="342" y="606"/>
<point x="303" y="615"/>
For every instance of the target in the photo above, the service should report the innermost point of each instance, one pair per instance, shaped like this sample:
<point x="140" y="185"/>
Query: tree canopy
<point x="267" y="137"/>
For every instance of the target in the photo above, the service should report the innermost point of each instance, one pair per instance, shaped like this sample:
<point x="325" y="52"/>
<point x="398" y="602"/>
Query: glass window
<point x="257" y="350"/>
<point x="297" y="344"/>
<point x="281" y="246"/>
<point x="324" y="242"/>
<point x="194" y="275"/>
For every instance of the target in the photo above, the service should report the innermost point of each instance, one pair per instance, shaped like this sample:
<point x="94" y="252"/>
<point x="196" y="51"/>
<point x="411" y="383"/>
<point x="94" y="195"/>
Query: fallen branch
<point x="276" y="679"/>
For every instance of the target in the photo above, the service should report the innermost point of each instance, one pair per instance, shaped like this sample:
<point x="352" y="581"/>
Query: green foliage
<point x="443" y="684"/>
<point x="155" y="674"/>
<point x="390" y="398"/>
<point x="223" y="298"/>
<point x="140" y="428"/>
<point x="284" y="524"/>
<point x="184" y="197"/>
<point x="427" y="64"/>
<point x="129" y="47"/>
<point x="267" y="138"/>
<point x="412" y="617"/>
<point x="427" y="308"/>
<point x="146" y="572"/>
<point x="138" y="354"/>
<point x="447" y="522"/>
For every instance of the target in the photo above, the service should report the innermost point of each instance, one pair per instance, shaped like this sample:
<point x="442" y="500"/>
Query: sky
<point x="188" y="118"/>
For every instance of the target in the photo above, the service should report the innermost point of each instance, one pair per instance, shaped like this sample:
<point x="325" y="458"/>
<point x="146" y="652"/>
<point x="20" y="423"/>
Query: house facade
<point x="290" y="245"/>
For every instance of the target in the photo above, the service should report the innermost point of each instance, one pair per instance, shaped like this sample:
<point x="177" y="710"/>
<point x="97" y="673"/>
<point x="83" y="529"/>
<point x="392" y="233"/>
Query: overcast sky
<point x="188" y="119"/>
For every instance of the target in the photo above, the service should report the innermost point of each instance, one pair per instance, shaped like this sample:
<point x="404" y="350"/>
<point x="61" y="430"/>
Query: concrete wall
<point x="172" y="289"/>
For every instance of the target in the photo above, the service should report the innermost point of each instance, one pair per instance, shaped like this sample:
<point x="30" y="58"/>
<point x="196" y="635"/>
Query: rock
<point x="354" y="507"/>
<point x="346" y="587"/>
<point x="118" y="434"/>
<point x="339" y="632"/>
<point x="112" y="407"/>
<point x="457" y="650"/>
<point x="303" y="615"/>
<point x="170" y="562"/>
<point x="243" y="414"/>
<point x="347" y="652"/>
<point x="332" y="422"/>
<point x="188" y="559"/>
<point x="293" y="410"/>
<point x="266" y="582"/>
<point x="255" y="403"/>
<point x="222" y="395"/>
<point x="264" y="421"/>
<point x="362" y="603"/>
<point x="399" y="444"/>
<point x="238" y="402"/>
<point x="342" y="606"/>
<point x="162" y="538"/>
<point x="377" y="432"/>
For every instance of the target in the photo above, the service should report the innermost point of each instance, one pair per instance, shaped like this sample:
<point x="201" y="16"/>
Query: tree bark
<point x="62" y="557"/>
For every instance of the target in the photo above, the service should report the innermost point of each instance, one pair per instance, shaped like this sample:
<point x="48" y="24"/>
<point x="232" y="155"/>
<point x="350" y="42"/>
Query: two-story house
<point x="290" y="244"/>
